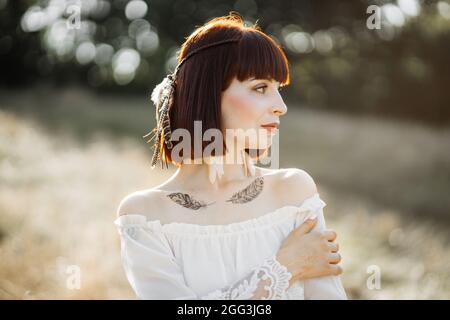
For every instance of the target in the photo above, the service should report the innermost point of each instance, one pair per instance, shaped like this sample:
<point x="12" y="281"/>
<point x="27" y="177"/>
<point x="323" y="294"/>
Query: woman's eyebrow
<point x="264" y="79"/>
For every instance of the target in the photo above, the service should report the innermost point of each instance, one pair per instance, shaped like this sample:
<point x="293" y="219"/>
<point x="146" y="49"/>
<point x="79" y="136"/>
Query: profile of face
<point x="249" y="105"/>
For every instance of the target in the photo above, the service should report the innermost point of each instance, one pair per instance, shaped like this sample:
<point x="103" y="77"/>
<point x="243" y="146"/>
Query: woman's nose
<point x="280" y="109"/>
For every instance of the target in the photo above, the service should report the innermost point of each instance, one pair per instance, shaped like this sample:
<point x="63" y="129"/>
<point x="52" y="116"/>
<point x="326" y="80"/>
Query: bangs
<point x="260" y="56"/>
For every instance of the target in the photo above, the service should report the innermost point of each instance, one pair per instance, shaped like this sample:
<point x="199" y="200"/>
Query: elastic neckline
<point x="312" y="203"/>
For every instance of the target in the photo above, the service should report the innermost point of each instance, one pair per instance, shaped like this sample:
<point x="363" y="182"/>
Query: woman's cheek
<point x="243" y="110"/>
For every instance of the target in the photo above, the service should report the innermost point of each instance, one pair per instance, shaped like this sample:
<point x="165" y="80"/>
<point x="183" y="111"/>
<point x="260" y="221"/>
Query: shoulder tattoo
<point x="185" y="200"/>
<point x="248" y="193"/>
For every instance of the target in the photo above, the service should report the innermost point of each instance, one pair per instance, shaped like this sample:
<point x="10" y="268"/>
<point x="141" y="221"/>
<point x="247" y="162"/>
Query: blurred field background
<point x="368" y="119"/>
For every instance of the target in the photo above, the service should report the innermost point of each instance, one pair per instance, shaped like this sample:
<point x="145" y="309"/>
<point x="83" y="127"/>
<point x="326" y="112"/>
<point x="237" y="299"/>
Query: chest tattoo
<point x="248" y="193"/>
<point x="243" y="196"/>
<point x="185" y="200"/>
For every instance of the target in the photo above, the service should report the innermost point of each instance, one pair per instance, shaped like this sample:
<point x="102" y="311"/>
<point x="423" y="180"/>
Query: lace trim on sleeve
<point x="269" y="281"/>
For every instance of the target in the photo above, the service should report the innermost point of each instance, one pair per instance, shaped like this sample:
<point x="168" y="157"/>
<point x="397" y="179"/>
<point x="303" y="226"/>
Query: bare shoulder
<point x="141" y="202"/>
<point x="295" y="184"/>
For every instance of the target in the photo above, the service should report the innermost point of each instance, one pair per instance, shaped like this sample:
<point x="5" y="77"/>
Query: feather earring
<point x="249" y="168"/>
<point x="215" y="166"/>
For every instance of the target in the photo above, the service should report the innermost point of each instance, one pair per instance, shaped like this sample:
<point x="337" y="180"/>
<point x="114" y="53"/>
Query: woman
<point x="221" y="228"/>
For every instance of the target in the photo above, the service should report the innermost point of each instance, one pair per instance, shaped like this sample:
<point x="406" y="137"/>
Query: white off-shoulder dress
<point x="232" y="261"/>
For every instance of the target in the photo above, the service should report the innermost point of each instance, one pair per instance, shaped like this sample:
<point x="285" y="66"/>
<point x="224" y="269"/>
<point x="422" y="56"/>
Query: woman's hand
<point x="310" y="254"/>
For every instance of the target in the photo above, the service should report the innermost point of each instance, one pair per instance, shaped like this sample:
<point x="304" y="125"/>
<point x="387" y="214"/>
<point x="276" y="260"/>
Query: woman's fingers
<point x="334" y="246"/>
<point x="335" y="269"/>
<point x="330" y="235"/>
<point x="334" y="257"/>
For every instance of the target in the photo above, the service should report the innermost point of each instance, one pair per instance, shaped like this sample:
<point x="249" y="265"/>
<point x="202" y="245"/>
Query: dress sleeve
<point x="154" y="273"/>
<point x="327" y="287"/>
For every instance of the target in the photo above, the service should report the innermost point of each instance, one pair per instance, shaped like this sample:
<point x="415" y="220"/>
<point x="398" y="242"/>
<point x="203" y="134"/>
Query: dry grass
<point x="59" y="194"/>
<point x="57" y="205"/>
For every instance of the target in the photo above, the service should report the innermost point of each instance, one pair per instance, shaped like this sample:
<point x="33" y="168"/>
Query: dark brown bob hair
<point x="206" y="74"/>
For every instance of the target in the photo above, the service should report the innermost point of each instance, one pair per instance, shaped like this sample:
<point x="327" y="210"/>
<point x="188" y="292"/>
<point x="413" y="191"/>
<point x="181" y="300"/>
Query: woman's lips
<point x="270" y="129"/>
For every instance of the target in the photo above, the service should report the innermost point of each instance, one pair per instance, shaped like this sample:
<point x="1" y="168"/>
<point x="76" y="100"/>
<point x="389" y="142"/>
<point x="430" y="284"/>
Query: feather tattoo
<point x="249" y="193"/>
<point x="185" y="200"/>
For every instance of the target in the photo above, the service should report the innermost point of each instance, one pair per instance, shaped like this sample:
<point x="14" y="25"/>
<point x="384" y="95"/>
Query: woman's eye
<point x="262" y="87"/>
<point x="265" y="87"/>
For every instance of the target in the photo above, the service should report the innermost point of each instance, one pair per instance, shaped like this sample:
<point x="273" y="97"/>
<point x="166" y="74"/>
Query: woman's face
<point x="249" y="105"/>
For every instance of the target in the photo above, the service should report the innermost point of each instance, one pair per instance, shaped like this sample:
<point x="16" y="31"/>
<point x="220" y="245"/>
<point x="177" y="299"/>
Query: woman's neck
<point x="197" y="176"/>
